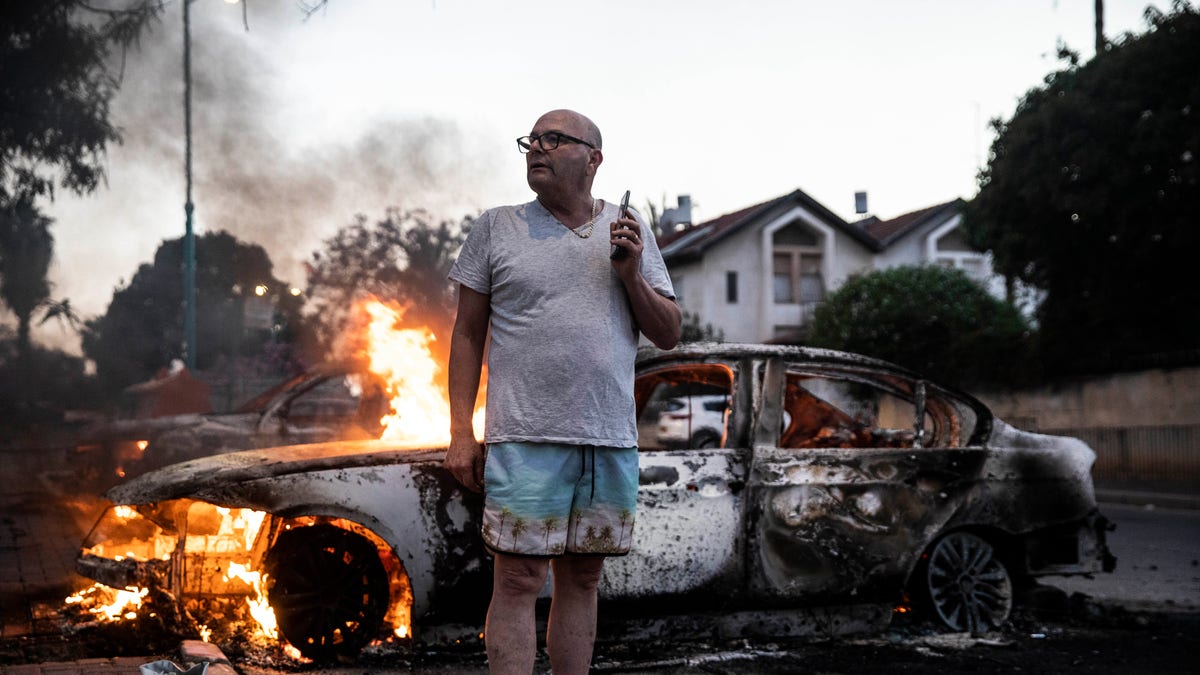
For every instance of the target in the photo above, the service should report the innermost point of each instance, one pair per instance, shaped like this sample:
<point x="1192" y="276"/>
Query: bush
<point x="934" y="320"/>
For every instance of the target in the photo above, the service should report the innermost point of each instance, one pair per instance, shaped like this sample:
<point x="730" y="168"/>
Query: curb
<point x="1149" y="499"/>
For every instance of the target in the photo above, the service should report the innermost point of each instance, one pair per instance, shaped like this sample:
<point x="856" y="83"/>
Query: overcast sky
<point x="299" y="125"/>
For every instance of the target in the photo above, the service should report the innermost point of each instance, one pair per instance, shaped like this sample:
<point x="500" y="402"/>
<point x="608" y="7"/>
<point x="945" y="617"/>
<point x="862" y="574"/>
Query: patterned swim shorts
<point x="549" y="499"/>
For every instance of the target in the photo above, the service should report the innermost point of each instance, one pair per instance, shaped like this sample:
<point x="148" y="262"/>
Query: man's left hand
<point x="626" y="235"/>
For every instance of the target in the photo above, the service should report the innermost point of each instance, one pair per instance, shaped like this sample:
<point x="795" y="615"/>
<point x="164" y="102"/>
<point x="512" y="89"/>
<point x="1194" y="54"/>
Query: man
<point x="561" y="462"/>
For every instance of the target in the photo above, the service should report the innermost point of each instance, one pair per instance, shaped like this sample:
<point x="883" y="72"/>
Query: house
<point x="759" y="273"/>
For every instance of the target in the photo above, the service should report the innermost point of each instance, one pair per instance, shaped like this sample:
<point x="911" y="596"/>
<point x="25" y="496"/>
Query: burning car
<point x="836" y="482"/>
<point x="326" y="402"/>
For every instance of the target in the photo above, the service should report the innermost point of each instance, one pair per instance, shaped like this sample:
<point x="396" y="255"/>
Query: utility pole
<point x="1100" y="41"/>
<point x="189" y="237"/>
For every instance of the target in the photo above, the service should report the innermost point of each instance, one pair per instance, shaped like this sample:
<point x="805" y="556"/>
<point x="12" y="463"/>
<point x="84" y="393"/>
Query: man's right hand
<point x="464" y="459"/>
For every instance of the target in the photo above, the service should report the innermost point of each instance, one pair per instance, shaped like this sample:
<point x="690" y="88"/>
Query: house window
<point x="796" y="275"/>
<point x="731" y="289"/>
<point x="796" y="265"/>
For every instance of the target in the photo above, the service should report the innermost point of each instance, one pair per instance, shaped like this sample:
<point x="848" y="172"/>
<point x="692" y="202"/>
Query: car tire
<point x="965" y="585"/>
<point x="329" y="590"/>
<point x="706" y="438"/>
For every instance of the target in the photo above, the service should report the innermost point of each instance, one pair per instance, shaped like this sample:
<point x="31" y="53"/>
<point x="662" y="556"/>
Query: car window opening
<point x="684" y="407"/>
<point x="826" y="412"/>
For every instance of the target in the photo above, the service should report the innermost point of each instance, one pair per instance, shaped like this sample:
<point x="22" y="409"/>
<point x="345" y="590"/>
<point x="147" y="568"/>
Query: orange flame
<point x="109" y="604"/>
<point x="403" y="358"/>
<point x="260" y="608"/>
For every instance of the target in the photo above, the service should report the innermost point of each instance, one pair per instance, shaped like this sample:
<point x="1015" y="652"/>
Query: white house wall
<point x="754" y="317"/>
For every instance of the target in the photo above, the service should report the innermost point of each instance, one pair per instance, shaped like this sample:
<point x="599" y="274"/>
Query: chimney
<point x="673" y="220"/>
<point x="860" y="202"/>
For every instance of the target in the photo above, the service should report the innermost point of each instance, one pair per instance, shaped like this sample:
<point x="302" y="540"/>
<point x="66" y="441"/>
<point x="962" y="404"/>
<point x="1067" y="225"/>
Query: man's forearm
<point x="657" y="317"/>
<point x="466" y="362"/>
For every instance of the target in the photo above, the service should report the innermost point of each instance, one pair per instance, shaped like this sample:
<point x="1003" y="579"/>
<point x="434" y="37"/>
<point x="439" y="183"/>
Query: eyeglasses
<point x="548" y="141"/>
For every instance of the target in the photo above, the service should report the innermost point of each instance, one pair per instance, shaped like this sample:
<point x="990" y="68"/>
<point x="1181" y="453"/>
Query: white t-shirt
<point x="560" y="365"/>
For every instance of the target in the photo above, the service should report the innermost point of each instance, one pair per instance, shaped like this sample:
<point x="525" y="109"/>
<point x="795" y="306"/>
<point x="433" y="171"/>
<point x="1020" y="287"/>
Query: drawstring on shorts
<point x="583" y="453"/>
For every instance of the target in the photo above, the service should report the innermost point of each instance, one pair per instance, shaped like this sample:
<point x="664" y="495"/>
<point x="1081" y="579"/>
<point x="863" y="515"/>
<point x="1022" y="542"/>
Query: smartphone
<point x="617" y="251"/>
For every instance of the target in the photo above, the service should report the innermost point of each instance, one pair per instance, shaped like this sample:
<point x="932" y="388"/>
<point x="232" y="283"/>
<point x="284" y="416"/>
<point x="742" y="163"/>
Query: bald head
<point x="578" y="125"/>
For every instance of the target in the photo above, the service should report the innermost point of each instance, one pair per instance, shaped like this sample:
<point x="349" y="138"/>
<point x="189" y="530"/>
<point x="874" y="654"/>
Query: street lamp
<point x="189" y="236"/>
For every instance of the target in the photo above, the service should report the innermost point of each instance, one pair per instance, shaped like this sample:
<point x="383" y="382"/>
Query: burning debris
<point x="224" y="570"/>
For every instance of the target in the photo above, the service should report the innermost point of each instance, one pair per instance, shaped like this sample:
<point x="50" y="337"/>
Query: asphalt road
<point x="1158" y="560"/>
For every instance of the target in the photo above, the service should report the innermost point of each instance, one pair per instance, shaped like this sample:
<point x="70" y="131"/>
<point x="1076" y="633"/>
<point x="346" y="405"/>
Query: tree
<point x="26" y="400"/>
<point x="405" y="257"/>
<point x="142" y="329"/>
<point x="26" y="247"/>
<point x="694" y="331"/>
<point x="934" y="320"/>
<point x="55" y="89"/>
<point x="1091" y="194"/>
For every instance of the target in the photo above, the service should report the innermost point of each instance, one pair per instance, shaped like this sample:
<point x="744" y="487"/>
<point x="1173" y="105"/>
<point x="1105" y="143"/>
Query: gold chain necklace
<point x="590" y="224"/>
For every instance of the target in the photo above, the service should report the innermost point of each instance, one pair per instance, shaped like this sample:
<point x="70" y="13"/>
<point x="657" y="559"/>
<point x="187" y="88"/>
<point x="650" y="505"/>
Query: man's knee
<point x="519" y="576"/>
<point x="582" y="573"/>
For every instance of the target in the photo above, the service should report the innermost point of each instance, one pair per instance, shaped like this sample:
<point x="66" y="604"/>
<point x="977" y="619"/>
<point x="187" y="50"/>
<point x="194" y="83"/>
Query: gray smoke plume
<point x="252" y="176"/>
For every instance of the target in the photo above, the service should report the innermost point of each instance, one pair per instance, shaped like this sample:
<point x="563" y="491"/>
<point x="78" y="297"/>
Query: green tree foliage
<point x="55" y="89"/>
<point x="26" y="247"/>
<point x="694" y="331"/>
<point x="36" y="389"/>
<point x="404" y="257"/>
<point x="142" y="329"/>
<point x="933" y="320"/>
<point x="1092" y="193"/>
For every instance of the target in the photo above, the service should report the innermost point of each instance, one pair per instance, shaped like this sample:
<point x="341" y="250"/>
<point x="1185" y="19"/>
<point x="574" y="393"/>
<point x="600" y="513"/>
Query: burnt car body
<point x="326" y="402"/>
<point x="838" y="481"/>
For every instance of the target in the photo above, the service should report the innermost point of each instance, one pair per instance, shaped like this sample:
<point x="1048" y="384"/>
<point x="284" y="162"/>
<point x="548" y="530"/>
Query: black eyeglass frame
<point x="525" y="143"/>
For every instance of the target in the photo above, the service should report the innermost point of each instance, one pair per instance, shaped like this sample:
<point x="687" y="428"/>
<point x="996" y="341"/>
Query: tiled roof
<point x="887" y="231"/>
<point x="715" y="225"/>
<point x="871" y="232"/>
<point x="694" y="241"/>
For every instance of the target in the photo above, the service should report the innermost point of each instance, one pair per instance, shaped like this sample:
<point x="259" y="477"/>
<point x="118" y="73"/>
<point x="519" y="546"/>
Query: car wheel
<point x="706" y="439"/>
<point x="966" y="584"/>
<point x="328" y="588"/>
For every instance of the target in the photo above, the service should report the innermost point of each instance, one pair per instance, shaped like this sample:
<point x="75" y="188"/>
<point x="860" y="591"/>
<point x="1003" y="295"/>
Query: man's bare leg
<point x="572" y="629"/>
<point x="511" y="632"/>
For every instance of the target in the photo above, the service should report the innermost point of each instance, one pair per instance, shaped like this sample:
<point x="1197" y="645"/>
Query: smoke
<point x="263" y="168"/>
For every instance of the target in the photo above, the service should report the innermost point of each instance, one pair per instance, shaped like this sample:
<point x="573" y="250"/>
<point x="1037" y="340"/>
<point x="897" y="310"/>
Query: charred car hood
<point x="199" y="475"/>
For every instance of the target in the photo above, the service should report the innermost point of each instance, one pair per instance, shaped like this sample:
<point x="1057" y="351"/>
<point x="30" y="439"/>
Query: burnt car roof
<point x="699" y="352"/>
<point x="198" y="477"/>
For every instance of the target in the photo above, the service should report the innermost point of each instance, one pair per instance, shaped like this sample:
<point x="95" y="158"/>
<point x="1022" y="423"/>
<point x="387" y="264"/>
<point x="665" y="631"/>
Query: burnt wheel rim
<point x="968" y="585"/>
<point x="329" y="590"/>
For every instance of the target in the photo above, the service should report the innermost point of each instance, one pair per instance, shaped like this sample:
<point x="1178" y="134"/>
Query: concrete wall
<point x="1143" y="426"/>
<point x="1146" y="398"/>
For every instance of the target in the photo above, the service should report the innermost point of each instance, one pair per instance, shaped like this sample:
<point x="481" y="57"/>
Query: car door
<point x="856" y="469"/>
<point x="689" y="537"/>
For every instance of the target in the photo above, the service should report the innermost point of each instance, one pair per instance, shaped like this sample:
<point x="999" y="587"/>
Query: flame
<point x="260" y="608"/>
<point x="293" y="652"/>
<point x="110" y="604"/>
<point x="403" y="358"/>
